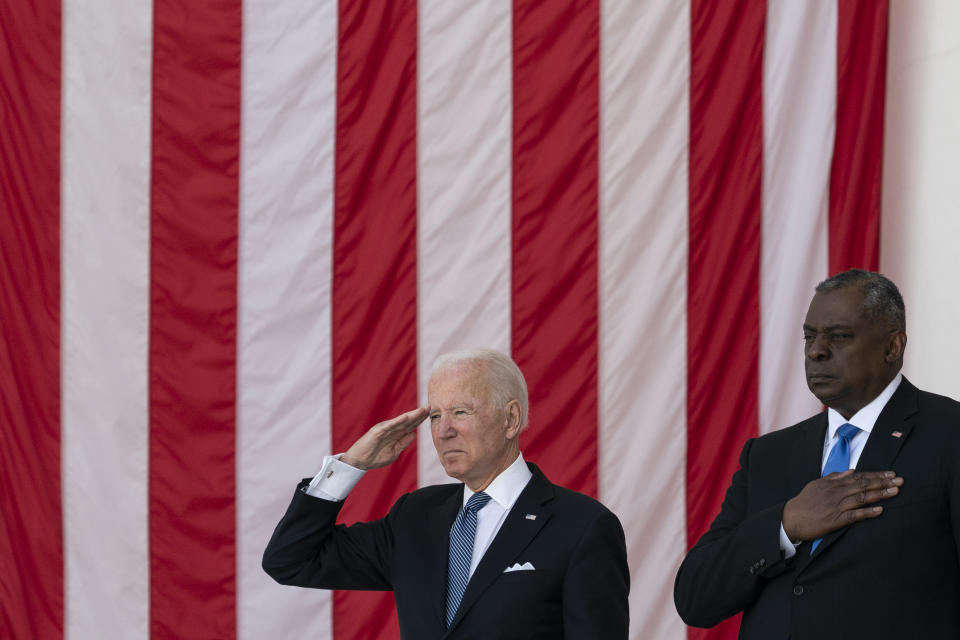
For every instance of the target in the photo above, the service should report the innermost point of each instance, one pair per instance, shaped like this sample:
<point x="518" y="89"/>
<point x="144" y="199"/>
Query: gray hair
<point x="505" y="378"/>
<point x="881" y="298"/>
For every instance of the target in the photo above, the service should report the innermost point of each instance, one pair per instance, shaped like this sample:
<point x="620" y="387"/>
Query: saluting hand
<point x="837" y="500"/>
<point x="385" y="441"/>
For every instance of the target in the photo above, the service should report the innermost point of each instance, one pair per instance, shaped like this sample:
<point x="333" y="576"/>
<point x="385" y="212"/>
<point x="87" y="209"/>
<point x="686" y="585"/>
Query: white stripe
<point x="286" y="219"/>
<point x="799" y="105"/>
<point x="105" y="253"/>
<point x="464" y="136"/>
<point x="920" y="225"/>
<point x="643" y="281"/>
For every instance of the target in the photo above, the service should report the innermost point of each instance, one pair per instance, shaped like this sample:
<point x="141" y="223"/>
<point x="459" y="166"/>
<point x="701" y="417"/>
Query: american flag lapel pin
<point x="531" y="516"/>
<point x="897" y="434"/>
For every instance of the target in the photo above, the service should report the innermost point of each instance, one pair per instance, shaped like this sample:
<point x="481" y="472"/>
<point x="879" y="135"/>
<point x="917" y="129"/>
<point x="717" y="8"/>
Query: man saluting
<point x="505" y="554"/>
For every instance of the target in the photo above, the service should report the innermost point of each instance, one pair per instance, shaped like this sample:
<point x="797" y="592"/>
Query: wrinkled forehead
<point x="459" y="382"/>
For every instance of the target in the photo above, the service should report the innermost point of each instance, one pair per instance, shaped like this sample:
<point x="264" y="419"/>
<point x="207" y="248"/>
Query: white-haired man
<point x="505" y="554"/>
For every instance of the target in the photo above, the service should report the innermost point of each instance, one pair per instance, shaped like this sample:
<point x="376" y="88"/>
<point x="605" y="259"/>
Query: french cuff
<point x="786" y="545"/>
<point x="335" y="480"/>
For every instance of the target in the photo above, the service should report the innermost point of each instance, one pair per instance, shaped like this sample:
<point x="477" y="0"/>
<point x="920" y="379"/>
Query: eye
<point x="839" y="337"/>
<point x="434" y="417"/>
<point x="809" y="337"/>
<point x="460" y="412"/>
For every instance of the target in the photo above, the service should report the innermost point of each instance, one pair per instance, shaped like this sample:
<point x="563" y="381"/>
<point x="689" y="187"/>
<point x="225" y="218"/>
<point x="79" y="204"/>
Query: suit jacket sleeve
<point x="308" y="549"/>
<point x="728" y="567"/>
<point x="953" y="473"/>
<point x="597" y="583"/>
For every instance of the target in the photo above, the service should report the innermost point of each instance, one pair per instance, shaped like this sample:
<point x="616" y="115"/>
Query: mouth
<point x="819" y="378"/>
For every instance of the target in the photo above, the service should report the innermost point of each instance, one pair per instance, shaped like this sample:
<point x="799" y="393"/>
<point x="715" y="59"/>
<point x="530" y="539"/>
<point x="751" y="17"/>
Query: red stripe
<point x="31" y="533"/>
<point x="374" y="368"/>
<point x="857" y="170"/>
<point x="555" y="194"/>
<point x="193" y="318"/>
<point x="726" y="167"/>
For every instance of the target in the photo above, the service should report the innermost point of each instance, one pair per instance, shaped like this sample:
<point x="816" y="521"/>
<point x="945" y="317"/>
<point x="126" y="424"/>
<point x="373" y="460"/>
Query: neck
<point x="475" y="484"/>
<point x="848" y="412"/>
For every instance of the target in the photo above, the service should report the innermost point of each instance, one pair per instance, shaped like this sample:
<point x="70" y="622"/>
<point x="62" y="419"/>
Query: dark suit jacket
<point x="895" y="576"/>
<point x="577" y="590"/>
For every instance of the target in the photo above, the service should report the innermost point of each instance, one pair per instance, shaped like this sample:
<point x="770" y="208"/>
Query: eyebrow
<point x="452" y="408"/>
<point x="832" y="327"/>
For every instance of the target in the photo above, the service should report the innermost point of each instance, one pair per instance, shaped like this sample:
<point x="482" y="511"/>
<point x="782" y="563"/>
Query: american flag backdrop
<point x="236" y="233"/>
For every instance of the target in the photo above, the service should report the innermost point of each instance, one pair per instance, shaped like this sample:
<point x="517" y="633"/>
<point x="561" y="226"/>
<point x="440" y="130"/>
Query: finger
<point x="404" y="421"/>
<point x="864" y="480"/>
<point x="405" y="441"/>
<point x="418" y="415"/>
<point x="874" y="476"/>
<point x="862" y="498"/>
<point x="856" y="515"/>
<point x="860" y="476"/>
<point x="412" y="419"/>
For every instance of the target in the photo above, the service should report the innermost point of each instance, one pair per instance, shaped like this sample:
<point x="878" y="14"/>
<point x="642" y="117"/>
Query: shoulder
<point x="578" y="502"/>
<point x="934" y="415"/>
<point x="937" y="404"/>
<point x="787" y="437"/>
<point x="571" y="507"/>
<point x="937" y="423"/>
<point x="584" y="528"/>
<point x="427" y="497"/>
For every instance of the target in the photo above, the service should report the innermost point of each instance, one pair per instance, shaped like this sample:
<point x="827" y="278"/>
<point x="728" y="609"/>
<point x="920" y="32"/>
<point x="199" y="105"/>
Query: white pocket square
<point x="526" y="566"/>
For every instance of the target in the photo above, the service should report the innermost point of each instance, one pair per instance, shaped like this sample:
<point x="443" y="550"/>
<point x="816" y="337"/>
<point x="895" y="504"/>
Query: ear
<point x="512" y="419"/>
<point x="896" y="343"/>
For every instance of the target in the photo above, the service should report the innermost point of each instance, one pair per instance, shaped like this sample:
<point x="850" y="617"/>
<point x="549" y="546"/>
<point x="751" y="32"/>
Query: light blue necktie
<point x="839" y="459"/>
<point x="461" y="551"/>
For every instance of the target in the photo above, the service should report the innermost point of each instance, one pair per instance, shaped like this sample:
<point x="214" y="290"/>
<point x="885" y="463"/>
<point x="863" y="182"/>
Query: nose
<point x="444" y="427"/>
<point x="817" y="349"/>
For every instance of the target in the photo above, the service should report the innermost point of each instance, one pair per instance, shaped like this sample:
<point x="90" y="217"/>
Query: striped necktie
<point x="839" y="459"/>
<point x="461" y="551"/>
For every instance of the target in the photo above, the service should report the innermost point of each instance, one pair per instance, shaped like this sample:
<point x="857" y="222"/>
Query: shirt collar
<point x="506" y="487"/>
<point x="867" y="416"/>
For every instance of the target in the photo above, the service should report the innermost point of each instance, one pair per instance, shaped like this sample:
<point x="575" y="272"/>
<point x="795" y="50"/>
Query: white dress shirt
<point x="503" y="492"/>
<point x="864" y="420"/>
<point x="336" y="479"/>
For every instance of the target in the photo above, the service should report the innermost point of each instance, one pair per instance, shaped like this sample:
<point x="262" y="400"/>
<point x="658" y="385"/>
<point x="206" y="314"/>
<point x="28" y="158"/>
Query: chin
<point x="822" y="390"/>
<point x="453" y="470"/>
<point x="824" y="398"/>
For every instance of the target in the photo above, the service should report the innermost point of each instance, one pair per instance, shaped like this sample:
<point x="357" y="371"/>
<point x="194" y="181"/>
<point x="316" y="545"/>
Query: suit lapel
<point x="514" y="536"/>
<point x="887" y="437"/>
<point x="439" y="522"/>
<point x="806" y="459"/>
<point x="884" y="443"/>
